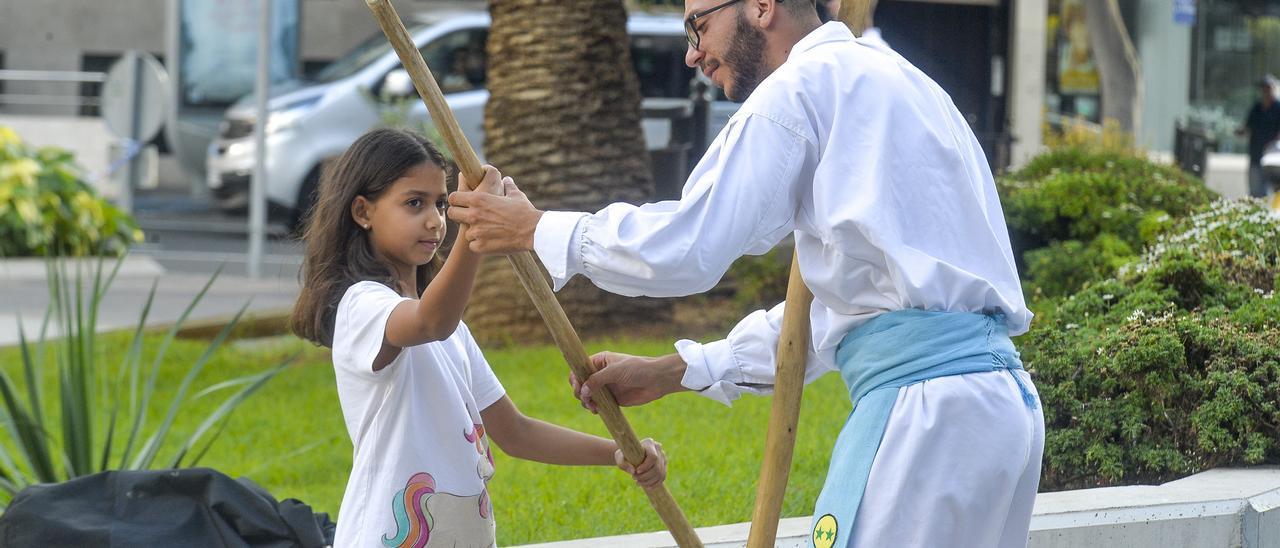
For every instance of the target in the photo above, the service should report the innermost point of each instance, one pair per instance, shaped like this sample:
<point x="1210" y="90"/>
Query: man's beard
<point x="746" y="57"/>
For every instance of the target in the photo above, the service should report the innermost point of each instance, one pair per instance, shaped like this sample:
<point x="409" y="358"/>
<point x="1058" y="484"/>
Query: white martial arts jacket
<point x="860" y="155"/>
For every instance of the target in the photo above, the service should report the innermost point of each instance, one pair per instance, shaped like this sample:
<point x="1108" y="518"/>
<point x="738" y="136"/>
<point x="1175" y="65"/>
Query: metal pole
<point x="135" y="128"/>
<point x="257" y="187"/>
<point x="172" y="66"/>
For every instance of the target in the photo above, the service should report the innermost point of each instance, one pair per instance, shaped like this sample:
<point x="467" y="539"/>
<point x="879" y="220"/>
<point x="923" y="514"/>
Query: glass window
<point x="218" y="44"/>
<point x="1072" y="76"/>
<point x="1234" y="43"/>
<point x="659" y="62"/>
<point x="359" y="57"/>
<point x="89" y="91"/>
<point x="458" y="60"/>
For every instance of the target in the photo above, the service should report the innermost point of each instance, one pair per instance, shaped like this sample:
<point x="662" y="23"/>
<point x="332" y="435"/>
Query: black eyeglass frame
<point x="691" y="22"/>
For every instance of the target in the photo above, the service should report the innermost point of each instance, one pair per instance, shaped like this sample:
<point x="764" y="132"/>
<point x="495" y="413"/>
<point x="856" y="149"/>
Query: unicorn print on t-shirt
<point x="427" y="518"/>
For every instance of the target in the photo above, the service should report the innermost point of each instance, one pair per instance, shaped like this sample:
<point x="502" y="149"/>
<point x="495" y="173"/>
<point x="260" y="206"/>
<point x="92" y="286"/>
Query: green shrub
<point x="760" y="281"/>
<point x="1063" y="201"/>
<point x="46" y="208"/>
<point x="1082" y="134"/>
<point x="1172" y="366"/>
<point x="1063" y="267"/>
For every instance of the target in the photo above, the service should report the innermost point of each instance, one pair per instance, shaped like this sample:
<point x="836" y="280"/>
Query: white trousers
<point x="958" y="466"/>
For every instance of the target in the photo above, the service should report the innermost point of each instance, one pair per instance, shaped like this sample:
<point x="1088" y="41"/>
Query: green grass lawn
<point x="290" y="439"/>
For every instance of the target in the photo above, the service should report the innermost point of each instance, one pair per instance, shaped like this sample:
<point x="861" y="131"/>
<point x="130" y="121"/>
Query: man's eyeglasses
<point x="691" y="22"/>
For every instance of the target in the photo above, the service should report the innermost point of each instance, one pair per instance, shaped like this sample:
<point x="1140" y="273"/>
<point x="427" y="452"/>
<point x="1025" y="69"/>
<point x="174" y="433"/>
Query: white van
<point x="314" y="121"/>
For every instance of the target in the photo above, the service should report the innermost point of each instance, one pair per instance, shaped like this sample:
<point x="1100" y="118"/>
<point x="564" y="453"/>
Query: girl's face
<point x="406" y="224"/>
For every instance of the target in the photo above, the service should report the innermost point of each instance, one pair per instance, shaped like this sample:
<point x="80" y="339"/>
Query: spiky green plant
<point x="81" y="442"/>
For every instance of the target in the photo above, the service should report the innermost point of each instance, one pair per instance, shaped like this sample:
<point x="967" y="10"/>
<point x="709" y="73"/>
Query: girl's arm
<point x="531" y="439"/>
<point x="435" y="316"/>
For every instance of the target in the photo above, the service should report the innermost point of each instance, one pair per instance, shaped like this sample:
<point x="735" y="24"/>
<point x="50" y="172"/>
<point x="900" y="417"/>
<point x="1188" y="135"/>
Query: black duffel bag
<point x="194" y="507"/>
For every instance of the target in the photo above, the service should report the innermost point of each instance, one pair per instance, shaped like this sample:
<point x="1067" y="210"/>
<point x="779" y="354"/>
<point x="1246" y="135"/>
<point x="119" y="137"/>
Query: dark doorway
<point x="965" y="49"/>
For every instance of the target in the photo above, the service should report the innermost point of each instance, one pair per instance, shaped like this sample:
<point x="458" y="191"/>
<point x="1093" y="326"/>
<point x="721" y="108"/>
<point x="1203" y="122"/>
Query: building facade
<point x="1010" y="65"/>
<point x="963" y="44"/>
<point x="1200" y="61"/>
<point x="89" y="35"/>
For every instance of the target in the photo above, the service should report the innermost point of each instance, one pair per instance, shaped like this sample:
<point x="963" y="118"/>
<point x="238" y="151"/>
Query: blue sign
<point x="1184" y="12"/>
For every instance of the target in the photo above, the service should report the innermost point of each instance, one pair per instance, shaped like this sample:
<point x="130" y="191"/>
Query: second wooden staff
<point x="793" y="345"/>
<point x="784" y="414"/>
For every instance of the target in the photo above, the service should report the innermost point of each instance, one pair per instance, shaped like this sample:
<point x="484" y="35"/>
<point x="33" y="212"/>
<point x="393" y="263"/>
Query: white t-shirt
<point x="421" y="456"/>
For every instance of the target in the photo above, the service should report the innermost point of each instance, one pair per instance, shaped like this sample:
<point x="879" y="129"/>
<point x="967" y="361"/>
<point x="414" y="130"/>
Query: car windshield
<point x="359" y="57"/>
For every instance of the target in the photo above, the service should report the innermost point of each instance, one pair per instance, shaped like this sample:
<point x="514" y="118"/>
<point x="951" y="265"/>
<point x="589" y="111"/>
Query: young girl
<point x="419" y="399"/>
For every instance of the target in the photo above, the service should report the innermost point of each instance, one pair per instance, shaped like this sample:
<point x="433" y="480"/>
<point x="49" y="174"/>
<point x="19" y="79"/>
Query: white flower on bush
<point x="1233" y="227"/>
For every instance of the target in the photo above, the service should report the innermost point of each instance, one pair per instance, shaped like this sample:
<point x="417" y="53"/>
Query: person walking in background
<point x="1263" y="126"/>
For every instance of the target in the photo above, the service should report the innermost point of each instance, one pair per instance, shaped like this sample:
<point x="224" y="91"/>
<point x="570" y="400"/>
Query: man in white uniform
<point x="901" y="238"/>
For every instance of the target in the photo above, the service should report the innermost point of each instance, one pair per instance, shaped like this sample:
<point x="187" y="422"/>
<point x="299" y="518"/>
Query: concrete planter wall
<point x="1219" y="508"/>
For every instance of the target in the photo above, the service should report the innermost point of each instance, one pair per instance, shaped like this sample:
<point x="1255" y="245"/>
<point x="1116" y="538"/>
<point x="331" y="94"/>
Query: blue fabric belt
<point x="893" y="350"/>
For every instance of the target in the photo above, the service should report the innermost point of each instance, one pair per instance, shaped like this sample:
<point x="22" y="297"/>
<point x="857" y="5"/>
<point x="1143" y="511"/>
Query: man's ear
<point x="362" y="212"/>
<point x="763" y="12"/>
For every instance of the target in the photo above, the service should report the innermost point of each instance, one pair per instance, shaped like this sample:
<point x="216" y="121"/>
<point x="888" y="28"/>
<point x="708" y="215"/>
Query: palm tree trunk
<point x="1118" y="66"/>
<point x="563" y="119"/>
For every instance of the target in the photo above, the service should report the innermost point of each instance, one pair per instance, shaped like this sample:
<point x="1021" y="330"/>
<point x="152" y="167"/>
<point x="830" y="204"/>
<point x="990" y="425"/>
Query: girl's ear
<point x="362" y="212"/>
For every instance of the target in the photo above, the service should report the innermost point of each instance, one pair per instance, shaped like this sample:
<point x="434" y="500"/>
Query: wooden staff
<point x="855" y="14"/>
<point x="793" y="347"/>
<point x="784" y="416"/>
<point x="527" y="269"/>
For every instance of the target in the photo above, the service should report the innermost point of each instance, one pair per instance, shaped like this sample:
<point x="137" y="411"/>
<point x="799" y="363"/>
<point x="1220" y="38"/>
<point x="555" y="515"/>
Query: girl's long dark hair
<point x="338" y="251"/>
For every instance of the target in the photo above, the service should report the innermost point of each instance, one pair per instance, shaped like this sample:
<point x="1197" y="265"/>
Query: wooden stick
<point x="784" y="416"/>
<point x="855" y="13"/>
<point x="793" y="345"/>
<point x="527" y="270"/>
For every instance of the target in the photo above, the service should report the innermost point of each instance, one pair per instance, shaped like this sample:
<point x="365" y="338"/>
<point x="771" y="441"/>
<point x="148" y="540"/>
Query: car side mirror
<point x="396" y="85"/>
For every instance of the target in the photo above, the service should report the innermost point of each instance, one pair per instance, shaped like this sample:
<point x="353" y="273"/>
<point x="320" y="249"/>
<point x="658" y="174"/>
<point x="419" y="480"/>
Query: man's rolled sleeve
<point x="711" y="370"/>
<point x="557" y="241"/>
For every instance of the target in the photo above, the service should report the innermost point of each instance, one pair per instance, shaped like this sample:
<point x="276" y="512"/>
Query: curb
<point x="252" y="325"/>
<point x="30" y="269"/>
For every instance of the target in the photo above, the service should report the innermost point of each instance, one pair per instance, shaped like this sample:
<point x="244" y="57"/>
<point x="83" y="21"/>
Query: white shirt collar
<point x="833" y="31"/>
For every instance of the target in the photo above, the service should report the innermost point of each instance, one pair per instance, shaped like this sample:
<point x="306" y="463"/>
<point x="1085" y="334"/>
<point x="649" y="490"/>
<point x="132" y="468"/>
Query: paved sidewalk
<point x="24" y="293"/>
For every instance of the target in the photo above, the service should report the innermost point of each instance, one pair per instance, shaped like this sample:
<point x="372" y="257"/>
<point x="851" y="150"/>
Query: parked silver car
<point x="315" y="120"/>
